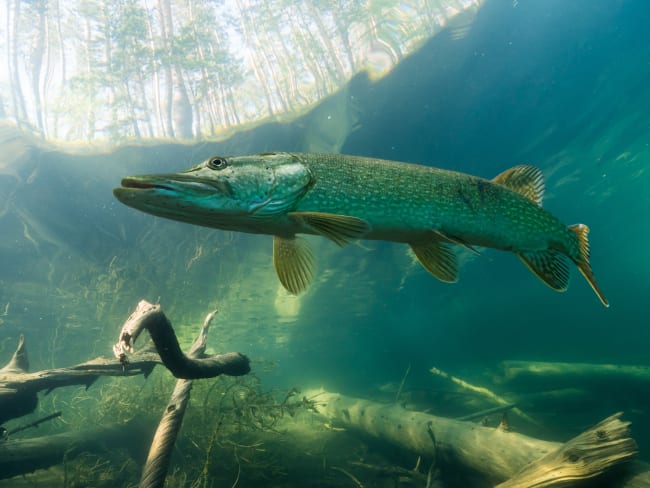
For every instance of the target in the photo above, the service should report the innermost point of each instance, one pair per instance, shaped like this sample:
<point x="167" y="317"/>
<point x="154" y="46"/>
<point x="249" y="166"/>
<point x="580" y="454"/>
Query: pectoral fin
<point x="458" y="241"/>
<point x="550" y="266"/>
<point x="294" y="263"/>
<point x="342" y="229"/>
<point x="438" y="258"/>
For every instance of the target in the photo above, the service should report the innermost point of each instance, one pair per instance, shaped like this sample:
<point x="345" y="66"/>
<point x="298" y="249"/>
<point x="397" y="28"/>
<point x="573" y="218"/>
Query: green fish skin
<point x="344" y="198"/>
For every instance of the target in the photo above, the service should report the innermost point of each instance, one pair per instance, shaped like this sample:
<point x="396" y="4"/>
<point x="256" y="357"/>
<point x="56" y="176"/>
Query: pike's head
<point x="235" y="193"/>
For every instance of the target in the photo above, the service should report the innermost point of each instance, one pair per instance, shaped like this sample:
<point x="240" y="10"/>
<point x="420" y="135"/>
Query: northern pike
<point x="344" y="198"/>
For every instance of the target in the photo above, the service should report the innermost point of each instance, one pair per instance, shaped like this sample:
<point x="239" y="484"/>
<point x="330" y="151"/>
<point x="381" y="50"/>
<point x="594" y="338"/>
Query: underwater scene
<point x="373" y="243"/>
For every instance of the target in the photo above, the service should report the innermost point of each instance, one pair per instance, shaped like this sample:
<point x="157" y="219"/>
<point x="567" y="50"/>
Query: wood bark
<point x="22" y="456"/>
<point x="160" y="452"/>
<point x="513" y="459"/>
<point x="19" y="389"/>
<point x="18" y="393"/>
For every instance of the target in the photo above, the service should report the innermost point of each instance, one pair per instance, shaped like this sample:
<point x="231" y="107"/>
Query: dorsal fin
<point x="525" y="180"/>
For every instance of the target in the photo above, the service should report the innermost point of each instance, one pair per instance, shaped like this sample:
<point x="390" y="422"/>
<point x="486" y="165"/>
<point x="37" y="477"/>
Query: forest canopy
<point x="93" y="70"/>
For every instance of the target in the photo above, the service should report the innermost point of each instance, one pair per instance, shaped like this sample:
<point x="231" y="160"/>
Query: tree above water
<point x="91" y="70"/>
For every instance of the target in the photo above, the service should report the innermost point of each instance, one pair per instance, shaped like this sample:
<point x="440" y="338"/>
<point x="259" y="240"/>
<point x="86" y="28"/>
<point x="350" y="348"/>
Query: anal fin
<point x="438" y="258"/>
<point x="550" y="266"/>
<point x="294" y="263"/>
<point x="342" y="229"/>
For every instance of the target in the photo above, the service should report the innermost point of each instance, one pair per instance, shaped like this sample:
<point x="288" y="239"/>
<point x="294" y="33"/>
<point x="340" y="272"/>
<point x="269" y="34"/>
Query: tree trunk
<point x="181" y="108"/>
<point x="108" y="75"/>
<point x="62" y="60"/>
<point x="261" y="65"/>
<point x="13" y="28"/>
<point x="90" y="115"/>
<point x="36" y="60"/>
<point x="165" y="12"/>
<point x="338" y="72"/>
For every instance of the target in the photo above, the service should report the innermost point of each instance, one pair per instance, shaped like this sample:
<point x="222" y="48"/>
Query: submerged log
<point x="19" y="388"/>
<point x="538" y="374"/>
<point x="22" y="456"/>
<point x="499" y="456"/>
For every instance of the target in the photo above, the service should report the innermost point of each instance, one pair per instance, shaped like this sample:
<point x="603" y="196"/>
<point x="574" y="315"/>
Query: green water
<point x="560" y="86"/>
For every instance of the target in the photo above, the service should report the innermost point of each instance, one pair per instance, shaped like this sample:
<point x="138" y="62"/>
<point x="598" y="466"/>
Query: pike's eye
<point x="217" y="163"/>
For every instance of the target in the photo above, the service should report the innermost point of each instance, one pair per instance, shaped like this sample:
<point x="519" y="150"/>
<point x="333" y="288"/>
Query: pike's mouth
<point x="190" y="188"/>
<point x="138" y="185"/>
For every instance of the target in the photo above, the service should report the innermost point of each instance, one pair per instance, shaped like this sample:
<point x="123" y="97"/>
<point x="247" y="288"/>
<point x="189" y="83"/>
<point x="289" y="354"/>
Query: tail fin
<point x="582" y="232"/>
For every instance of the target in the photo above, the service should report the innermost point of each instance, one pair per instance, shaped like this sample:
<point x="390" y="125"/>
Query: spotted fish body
<point x="404" y="202"/>
<point x="349" y="197"/>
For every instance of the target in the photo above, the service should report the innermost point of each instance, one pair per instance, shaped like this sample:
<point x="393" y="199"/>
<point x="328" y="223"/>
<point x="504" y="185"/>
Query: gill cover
<point x="264" y="184"/>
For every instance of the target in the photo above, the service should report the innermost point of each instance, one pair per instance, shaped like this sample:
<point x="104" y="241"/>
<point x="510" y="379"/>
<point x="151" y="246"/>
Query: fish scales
<point x="395" y="196"/>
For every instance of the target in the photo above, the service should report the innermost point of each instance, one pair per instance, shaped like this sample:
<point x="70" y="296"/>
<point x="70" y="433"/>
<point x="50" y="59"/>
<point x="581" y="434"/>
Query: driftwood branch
<point x="485" y="392"/>
<point x="160" y="452"/>
<point x="19" y="388"/>
<point x="18" y="394"/>
<point x="19" y="362"/>
<point x="497" y="454"/>
<point x="150" y="317"/>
